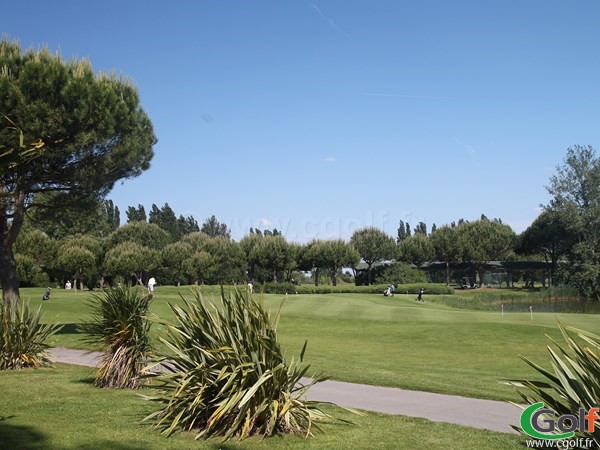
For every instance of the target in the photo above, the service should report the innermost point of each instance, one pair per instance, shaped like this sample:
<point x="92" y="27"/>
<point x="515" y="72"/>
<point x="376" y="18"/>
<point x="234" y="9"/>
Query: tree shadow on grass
<point x="113" y="445"/>
<point x="20" y="436"/>
<point x="70" y="328"/>
<point x="87" y="380"/>
<point x="236" y="444"/>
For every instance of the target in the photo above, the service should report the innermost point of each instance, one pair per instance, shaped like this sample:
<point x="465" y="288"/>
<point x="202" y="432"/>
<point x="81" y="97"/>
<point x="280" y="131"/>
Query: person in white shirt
<point x="151" y="283"/>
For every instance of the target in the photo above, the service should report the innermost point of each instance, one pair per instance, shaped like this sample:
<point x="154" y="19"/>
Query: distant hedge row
<point x="288" y="288"/>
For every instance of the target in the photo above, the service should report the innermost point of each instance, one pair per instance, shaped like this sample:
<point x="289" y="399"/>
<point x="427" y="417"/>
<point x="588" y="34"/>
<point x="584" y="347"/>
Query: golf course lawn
<point x="60" y="409"/>
<point x="371" y="339"/>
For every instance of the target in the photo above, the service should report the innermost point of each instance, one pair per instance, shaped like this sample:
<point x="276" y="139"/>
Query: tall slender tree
<point x="421" y="228"/>
<point x="187" y="225"/>
<point x="401" y="232"/>
<point x="214" y="228"/>
<point x="136" y="214"/>
<point x="165" y="218"/>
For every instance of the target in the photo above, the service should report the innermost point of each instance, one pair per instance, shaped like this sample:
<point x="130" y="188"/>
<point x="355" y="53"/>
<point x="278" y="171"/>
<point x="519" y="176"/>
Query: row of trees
<point x="138" y="249"/>
<point x="475" y="243"/>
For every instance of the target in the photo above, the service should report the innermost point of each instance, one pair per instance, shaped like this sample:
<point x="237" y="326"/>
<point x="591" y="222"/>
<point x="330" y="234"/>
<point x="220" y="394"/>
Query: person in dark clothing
<point x="420" y="297"/>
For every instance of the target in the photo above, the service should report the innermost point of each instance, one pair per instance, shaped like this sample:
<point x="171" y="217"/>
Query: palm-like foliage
<point x="573" y="382"/>
<point x="120" y="324"/>
<point x="23" y="337"/>
<point x="227" y="374"/>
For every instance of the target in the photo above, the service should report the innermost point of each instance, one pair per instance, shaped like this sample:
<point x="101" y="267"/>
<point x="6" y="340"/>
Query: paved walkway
<point x="472" y="412"/>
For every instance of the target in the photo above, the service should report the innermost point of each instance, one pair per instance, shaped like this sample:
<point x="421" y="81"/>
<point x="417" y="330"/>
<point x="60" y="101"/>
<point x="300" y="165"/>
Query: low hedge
<point x="289" y="288"/>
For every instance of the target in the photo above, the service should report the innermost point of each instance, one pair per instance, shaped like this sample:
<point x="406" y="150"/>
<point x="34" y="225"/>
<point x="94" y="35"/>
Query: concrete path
<point x="472" y="412"/>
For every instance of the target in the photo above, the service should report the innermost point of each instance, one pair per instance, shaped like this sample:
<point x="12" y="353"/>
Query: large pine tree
<point x="94" y="132"/>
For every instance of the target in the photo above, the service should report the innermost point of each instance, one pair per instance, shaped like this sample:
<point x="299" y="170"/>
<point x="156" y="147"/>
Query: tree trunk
<point x="447" y="273"/>
<point x="334" y="277"/>
<point x="316" y="276"/>
<point x="369" y="274"/>
<point x="9" y="230"/>
<point x="78" y="281"/>
<point x="481" y="272"/>
<point x="8" y="274"/>
<point x="553" y="264"/>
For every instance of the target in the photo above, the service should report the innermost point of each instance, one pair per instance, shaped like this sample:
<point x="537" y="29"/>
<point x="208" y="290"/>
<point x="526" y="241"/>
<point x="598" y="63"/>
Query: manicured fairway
<point x="375" y="340"/>
<point x="59" y="409"/>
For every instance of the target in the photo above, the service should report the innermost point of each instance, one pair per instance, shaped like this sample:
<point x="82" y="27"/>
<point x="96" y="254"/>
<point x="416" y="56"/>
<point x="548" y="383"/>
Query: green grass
<point x="371" y="339"/>
<point x="60" y="409"/>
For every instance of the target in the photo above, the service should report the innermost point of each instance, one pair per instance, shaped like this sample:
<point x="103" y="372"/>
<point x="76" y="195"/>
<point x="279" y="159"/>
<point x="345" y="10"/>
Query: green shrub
<point x="276" y="288"/>
<point x="120" y="325"/>
<point x="227" y="375"/>
<point x="288" y="288"/>
<point x="23" y="337"/>
<point x="413" y="289"/>
<point x="400" y="273"/>
<point x="574" y="380"/>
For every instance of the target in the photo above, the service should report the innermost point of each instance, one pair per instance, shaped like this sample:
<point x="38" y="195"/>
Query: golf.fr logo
<point x="536" y="423"/>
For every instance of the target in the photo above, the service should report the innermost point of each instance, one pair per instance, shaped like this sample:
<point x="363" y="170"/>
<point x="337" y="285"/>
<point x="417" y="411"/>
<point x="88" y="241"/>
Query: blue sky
<point x="320" y="117"/>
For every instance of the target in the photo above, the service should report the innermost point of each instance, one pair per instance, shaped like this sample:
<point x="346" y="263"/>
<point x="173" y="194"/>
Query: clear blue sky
<point x="318" y="117"/>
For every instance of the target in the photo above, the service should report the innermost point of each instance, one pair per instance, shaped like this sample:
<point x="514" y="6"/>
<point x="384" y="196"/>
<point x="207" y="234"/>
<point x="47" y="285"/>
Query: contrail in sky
<point x="471" y="151"/>
<point x="323" y="16"/>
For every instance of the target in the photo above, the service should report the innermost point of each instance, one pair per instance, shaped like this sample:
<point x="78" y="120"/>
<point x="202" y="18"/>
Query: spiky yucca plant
<point x="574" y="380"/>
<point x="120" y="325"/>
<point x="226" y="374"/>
<point x="23" y="337"/>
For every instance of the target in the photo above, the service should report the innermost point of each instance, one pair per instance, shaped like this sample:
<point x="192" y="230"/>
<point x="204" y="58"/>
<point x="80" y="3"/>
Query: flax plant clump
<point x="22" y="336"/>
<point x="226" y="374"/>
<point x="120" y="324"/>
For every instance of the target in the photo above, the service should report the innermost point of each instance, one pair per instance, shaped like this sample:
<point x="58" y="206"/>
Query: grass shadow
<point x="87" y="380"/>
<point x="113" y="445"/>
<point x="70" y="328"/>
<point x="20" y="436"/>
